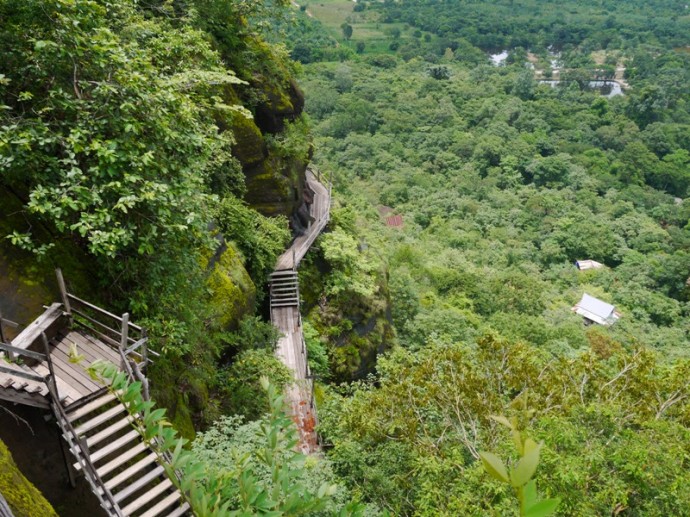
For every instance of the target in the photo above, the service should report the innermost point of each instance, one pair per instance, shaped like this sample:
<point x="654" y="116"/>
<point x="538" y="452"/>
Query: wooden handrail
<point x="24" y="375"/>
<point x="22" y="351"/>
<point x="100" y="310"/>
<point x="105" y="497"/>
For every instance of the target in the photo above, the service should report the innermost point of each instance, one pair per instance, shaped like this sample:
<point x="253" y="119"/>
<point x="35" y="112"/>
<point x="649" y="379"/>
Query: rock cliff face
<point x="275" y="184"/>
<point x="22" y="497"/>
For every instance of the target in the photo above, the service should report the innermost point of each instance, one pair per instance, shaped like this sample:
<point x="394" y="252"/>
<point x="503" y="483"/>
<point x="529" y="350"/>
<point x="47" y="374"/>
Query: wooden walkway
<point x="285" y="315"/>
<point x="37" y="369"/>
<point x="320" y="213"/>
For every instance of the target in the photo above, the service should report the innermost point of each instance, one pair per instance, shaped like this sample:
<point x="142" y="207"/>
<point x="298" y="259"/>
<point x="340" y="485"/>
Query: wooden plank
<point x="147" y="498"/>
<point x="65" y="343"/>
<point x="104" y="350"/>
<point x="122" y="459"/>
<point x="156" y="510"/>
<point x="140" y="483"/>
<point x="108" y="431"/>
<point x="100" y="419"/>
<point x="47" y="323"/>
<point x="21" y="397"/>
<point x="97" y="349"/>
<point x="180" y="511"/>
<point x="74" y="371"/>
<point x="64" y="389"/>
<point x="131" y="471"/>
<point x="114" y="445"/>
<point x="70" y="377"/>
<point x="91" y="406"/>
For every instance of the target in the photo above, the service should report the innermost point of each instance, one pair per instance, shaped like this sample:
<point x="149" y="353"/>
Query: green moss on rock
<point x="249" y="147"/>
<point x="275" y="186"/>
<point x="182" y="418"/>
<point x="23" y="498"/>
<point x="233" y="293"/>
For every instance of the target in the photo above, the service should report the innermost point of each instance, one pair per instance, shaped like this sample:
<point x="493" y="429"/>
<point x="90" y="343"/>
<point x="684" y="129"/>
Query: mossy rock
<point x="249" y="148"/>
<point x="276" y="186"/>
<point x="23" y="498"/>
<point x="182" y="418"/>
<point x="281" y="102"/>
<point x="233" y="294"/>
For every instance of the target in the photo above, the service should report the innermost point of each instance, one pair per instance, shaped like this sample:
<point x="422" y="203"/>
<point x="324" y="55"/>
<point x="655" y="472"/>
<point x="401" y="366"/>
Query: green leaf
<point x="494" y="466"/>
<point x="525" y="468"/>
<point x="502" y="420"/>
<point x="529" y="493"/>
<point x="543" y="508"/>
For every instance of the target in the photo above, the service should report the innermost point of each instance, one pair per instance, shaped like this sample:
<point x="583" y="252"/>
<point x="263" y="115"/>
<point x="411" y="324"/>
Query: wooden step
<point x="115" y="445"/>
<point x="122" y="459"/>
<point x="7" y="381"/>
<point x="19" y="384"/>
<point x="284" y="272"/>
<point x="100" y="419"/>
<point x="108" y="431"/>
<point x="91" y="406"/>
<point x="131" y="471"/>
<point x="162" y="505"/>
<point x="180" y="511"/>
<point x="138" y="484"/>
<point x="147" y="497"/>
<point x="110" y="448"/>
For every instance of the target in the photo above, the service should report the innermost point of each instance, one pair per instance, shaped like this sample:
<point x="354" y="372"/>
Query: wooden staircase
<point x="284" y="289"/>
<point x="124" y="472"/>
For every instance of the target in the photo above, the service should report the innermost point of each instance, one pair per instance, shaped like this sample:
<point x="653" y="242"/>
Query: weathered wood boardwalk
<point x="285" y="315"/>
<point x="37" y="369"/>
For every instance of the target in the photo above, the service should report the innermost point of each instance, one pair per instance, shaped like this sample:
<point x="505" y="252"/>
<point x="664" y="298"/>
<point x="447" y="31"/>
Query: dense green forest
<point x="156" y="151"/>
<point x="502" y="184"/>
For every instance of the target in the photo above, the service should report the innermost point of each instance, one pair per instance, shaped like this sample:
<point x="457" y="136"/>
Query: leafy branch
<point x="520" y="476"/>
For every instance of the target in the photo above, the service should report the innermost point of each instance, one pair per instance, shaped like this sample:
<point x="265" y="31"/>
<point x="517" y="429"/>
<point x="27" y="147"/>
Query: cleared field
<point x="332" y="13"/>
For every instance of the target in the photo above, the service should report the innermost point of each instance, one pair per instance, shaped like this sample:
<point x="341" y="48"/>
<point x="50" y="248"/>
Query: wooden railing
<point x="105" y="497"/>
<point x="81" y="452"/>
<point x="118" y="332"/>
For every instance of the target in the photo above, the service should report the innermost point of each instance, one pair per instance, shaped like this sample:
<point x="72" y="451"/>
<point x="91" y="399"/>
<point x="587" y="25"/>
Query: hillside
<point x="466" y="192"/>
<point x="479" y="151"/>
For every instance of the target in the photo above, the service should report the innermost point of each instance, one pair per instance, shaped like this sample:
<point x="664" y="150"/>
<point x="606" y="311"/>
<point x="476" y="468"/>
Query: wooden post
<point x="2" y="333"/>
<point x="145" y="349"/>
<point x="2" y="339"/>
<point x="63" y="291"/>
<point x="123" y="336"/>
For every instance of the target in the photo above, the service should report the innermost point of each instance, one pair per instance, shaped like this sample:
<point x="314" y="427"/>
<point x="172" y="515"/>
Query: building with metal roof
<point x="596" y="311"/>
<point x="582" y="265"/>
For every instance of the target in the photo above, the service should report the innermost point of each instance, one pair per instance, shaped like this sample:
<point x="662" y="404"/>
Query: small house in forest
<point x="594" y="310"/>
<point x="582" y="265"/>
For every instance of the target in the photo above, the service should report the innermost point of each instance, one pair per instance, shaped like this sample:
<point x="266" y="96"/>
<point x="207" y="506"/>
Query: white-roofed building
<point x="588" y="264"/>
<point x="596" y="311"/>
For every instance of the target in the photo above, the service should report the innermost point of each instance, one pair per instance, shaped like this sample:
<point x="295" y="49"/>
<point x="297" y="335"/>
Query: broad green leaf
<point x="525" y="468"/>
<point x="543" y="508"/>
<point x="494" y="466"/>
<point x="530" y="445"/>
<point x="502" y="420"/>
<point x="529" y="493"/>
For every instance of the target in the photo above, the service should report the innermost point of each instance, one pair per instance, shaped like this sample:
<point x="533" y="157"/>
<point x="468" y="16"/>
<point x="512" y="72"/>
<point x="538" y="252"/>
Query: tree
<point x="347" y="30"/>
